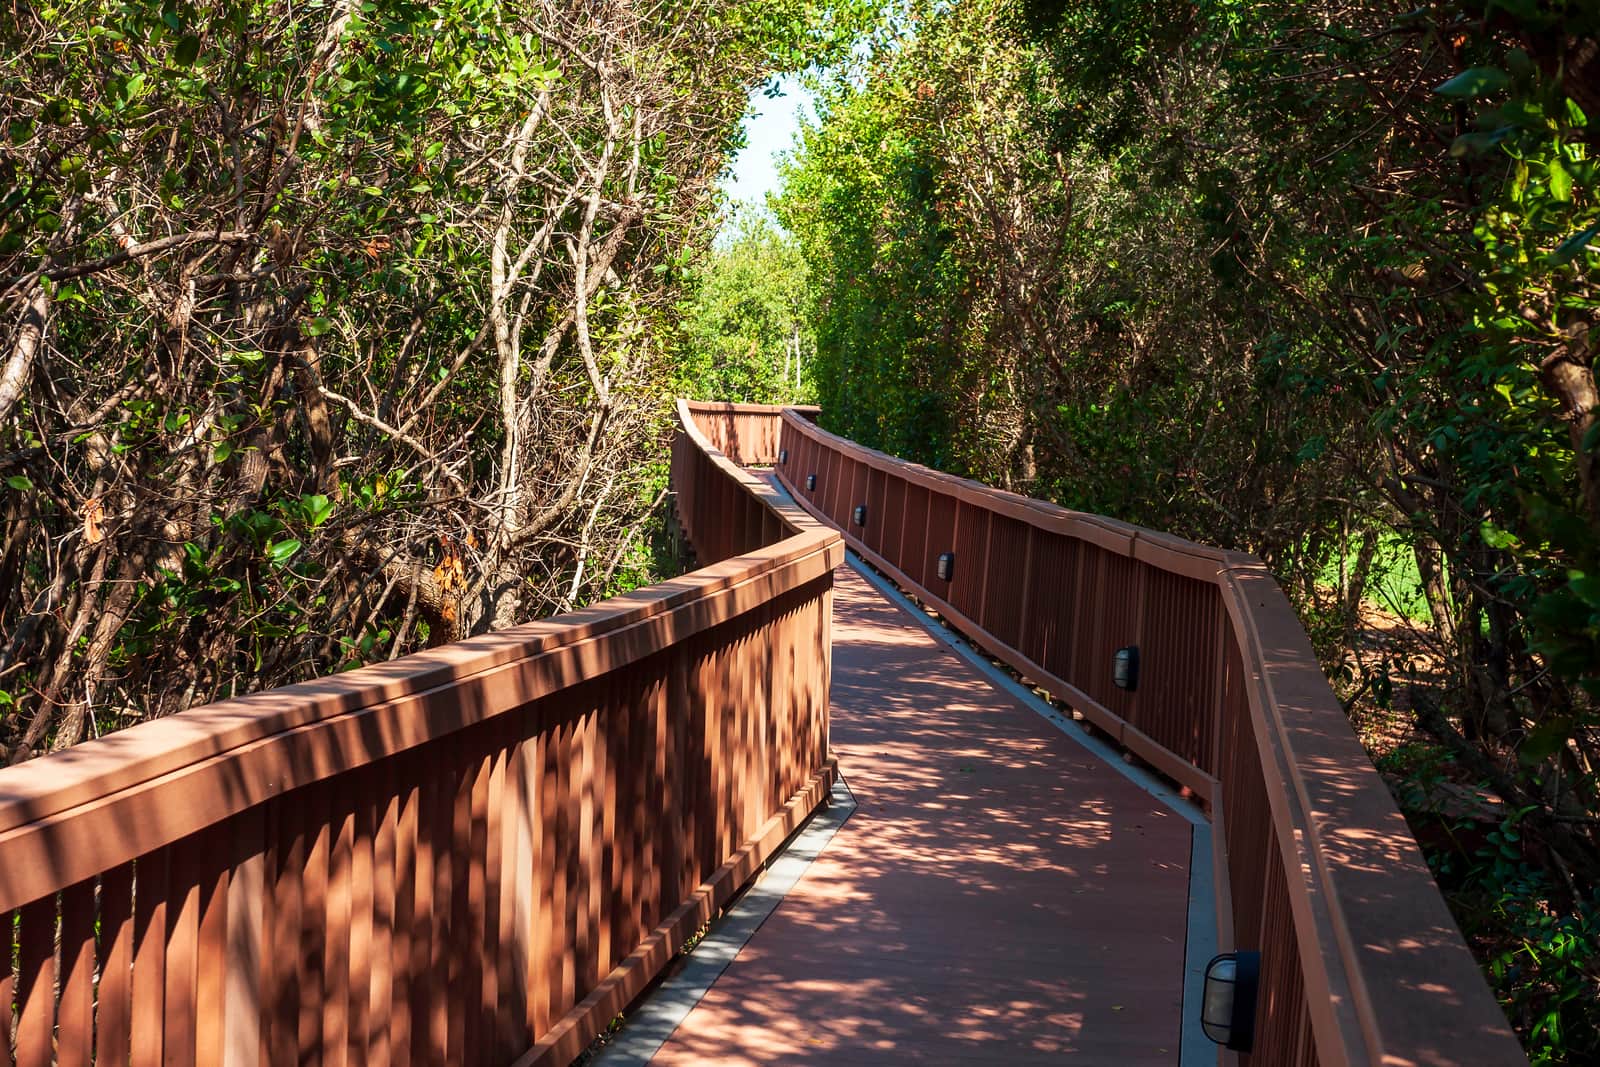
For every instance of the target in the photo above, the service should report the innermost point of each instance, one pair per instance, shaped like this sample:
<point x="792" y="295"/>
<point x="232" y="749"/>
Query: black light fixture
<point x="860" y="515"/>
<point x="945" y="568"/>
<point x="811" y="483"/>
<point x="783" y="455"/>
<point x="1228" y="1006"/>
<point x="1125" y="668"/>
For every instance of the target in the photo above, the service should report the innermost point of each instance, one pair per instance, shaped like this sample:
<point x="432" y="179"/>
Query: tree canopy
<point x="335" y="330"/>
<point x="747" y="333"/>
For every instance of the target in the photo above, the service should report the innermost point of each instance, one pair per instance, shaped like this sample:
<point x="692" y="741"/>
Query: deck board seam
<point x="664" y="1008"/>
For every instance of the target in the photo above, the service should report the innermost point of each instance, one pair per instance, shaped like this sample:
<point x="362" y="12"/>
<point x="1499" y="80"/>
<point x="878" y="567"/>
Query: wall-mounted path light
<point x="783" y="455"/>
<point x="1125" y="668"/>
<point x="945" y="568"/>
<point x="860" y="515"/>
<point x="1228" y="1007"/>
<point x="811" y="483"/>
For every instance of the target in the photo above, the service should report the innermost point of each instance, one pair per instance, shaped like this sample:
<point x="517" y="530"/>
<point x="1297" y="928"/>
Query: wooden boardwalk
<point x="1000" y="894"/>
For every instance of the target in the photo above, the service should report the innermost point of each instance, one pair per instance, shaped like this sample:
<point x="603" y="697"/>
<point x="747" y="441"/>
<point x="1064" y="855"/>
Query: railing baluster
<point x="75" y="1009"/>
<point x="113" y="1010"/>
<point x="35" y="989"/>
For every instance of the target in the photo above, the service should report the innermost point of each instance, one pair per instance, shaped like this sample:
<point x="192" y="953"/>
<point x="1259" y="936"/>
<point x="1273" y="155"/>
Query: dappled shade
<point x="999" y="895"/>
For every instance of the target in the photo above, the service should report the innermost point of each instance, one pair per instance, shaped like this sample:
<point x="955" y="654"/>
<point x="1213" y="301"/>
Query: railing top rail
<point x="727" y="407"/>
<point x="1164" y="550"/>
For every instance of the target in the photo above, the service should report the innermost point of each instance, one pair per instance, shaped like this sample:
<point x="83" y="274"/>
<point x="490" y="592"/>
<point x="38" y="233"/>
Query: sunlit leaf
<point x="1560" y="181"/>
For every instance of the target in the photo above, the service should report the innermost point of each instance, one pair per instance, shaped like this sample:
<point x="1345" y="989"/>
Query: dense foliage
<point x="746" y="336"/>
<point x="332" y="330"/>
<point x="1312" y="280"/>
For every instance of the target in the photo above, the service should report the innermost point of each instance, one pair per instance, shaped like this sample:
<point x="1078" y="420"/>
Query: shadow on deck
<point x="1000" y="893"/>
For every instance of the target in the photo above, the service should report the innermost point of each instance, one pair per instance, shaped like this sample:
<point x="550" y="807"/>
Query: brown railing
<point x="474" y="855"/>
<point x="745" y="433"/>
<point x="1361" y="962"/>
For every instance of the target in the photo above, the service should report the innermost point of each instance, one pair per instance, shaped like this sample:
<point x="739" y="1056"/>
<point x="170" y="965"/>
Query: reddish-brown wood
<point x="114" y="1013"/>
<point x="7" y="986"/>
<point x="385" y="982"/>
<point x="151" y="888"/>
<point x="539" y="863"/>
<point x="248" y="926"/>
<point x="998" y="896"/>
<point x="211" y="949"/>
<point x="570" y="1036"/>
<point x="336" y="940"/>
<point x="188" y="861"/>
<point x="36" y="975"/>
<point x="442" y="827"/>
<point x="555" y="838"/>
<point x="1318" y="866"/>
<point x="361" y="953"/>
<point x="500" y="855"/>
<point x="409" y="947"/>
<point x="75" y="1010"/>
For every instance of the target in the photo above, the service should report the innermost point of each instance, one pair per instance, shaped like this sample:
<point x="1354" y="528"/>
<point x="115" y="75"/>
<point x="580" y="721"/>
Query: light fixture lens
<point x="861" y="514"/>
<point x="1125" y="668"/>
<point x="811" y="483"/>
<point x="945" y="568"/>
<point x="783" y="455"/>
<point x="1216" y="1007"/>
<point x="1228" y="1005"/>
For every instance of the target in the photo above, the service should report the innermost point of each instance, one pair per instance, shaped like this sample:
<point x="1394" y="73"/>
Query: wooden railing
<point x="748" y="434"/>
<point x="474" y="855"/>
<point x="1361" y="962"/>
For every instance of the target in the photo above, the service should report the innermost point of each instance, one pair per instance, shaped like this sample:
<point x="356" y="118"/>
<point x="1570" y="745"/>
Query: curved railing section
<point x="477" y="854"/>
<point x="747" y="434"/>
<point x="1361" y="961"/>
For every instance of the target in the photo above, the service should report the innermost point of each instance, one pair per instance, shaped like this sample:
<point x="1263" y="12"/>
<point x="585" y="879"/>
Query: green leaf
<point x="1568" y="250"/>
<point x="221" y="453"/>
<point x="1474" y="82"/>
<point x="186" y="51"/>
<point x="1544" y="741"/>
<point x="1560" y="181"/>
<point x="316" y="327"/>
<point x="279" y="552"/>
<point x="20" y="483"/>
<point x="1495" y="537"/>
<point x="316" y="509"/>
